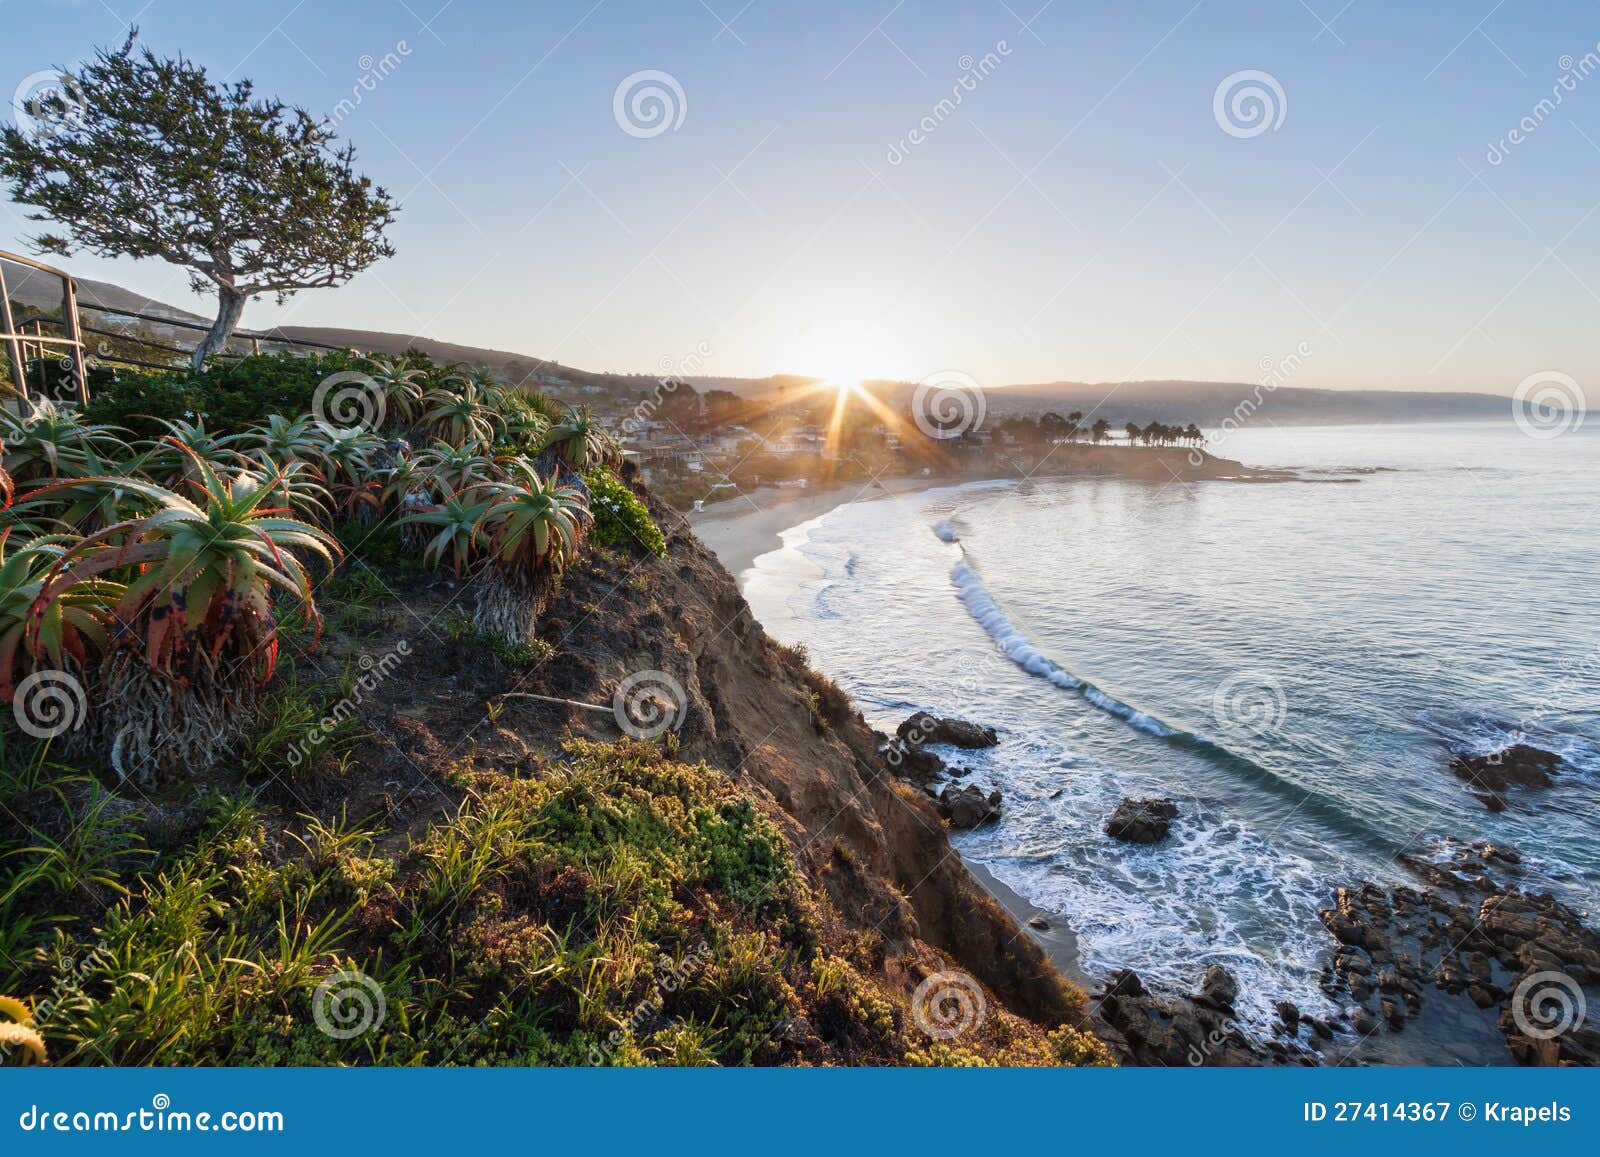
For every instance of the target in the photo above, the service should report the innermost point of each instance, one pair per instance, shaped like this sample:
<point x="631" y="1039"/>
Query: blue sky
<point x="1082" y="214"/>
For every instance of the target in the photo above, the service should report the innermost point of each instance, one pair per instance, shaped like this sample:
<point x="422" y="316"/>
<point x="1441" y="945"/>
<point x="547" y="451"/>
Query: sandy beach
<point x="740" y="530"/>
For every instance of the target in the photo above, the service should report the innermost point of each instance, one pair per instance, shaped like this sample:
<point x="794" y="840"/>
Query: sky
<point x="810" y="196"/>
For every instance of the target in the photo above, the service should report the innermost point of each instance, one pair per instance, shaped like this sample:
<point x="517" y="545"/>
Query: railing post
<point x="69" y="314"/>
<point x="13" y="348"/>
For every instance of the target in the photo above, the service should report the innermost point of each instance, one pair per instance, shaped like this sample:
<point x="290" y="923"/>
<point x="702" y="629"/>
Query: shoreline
<point x="742" y="529"/>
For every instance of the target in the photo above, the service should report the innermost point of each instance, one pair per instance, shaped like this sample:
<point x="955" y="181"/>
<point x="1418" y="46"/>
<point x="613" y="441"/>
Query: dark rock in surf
<point x="968" y="807"/>
<point x="1219" y="985"/>
<point x="1142" y="821"/>
<point x="1520" y="765"/>
<point x="925" y="727"/>
<point x="912" y="763"/>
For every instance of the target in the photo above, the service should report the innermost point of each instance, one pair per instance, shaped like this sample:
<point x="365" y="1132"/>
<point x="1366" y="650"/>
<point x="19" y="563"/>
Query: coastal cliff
<point x="453" y="846"/>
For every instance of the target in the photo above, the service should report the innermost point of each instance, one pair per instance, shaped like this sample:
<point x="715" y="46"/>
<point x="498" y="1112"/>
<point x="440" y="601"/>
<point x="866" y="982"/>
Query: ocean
<point x="1291" y="662"/>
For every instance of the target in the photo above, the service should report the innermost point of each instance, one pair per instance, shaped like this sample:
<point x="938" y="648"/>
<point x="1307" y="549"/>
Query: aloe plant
<point x="462" y="413"/>
<point x="172" y="458"/>
<point x="451" y="527"/>
<point x="455" y="467"/>
<point x="531" y="527"/>
<point x="578" y="443"/>
<point x="193" y="632"/>
<point x="402" y="388"/>
<point x="68" y="633"/>
<point x="284" y="440"/>
<point x="46" y="441"/>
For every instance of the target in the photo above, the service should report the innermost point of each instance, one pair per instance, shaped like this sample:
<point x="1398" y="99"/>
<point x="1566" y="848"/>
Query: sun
<point x="841" y="349"/>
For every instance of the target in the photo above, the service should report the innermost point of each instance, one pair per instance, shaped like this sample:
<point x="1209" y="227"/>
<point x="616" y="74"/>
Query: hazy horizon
<point x="1092" y="209"/>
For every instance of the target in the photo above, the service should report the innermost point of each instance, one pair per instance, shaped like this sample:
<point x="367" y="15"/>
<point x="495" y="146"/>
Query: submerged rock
<point x="1520" y="765"/>
<point x="925" y="727"/>
<point x="1142" y="821"/>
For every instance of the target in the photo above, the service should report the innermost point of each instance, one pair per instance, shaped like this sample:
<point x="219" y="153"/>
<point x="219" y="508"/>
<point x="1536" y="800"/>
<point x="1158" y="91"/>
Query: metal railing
<point x="72" y="341"/>
<point x="26" y="339"/>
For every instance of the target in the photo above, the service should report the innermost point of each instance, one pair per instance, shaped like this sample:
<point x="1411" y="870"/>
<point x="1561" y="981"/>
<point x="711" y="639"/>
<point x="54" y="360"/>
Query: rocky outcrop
<point x="912" y="763"/>
<point x="1472" y="932"/>
<point x="1201" y="1029"/>
<point x="968" y="807"/>
<point x="925" y="727"/>
<point x="1142" y="821"/>
<point x="1490" y="777"/>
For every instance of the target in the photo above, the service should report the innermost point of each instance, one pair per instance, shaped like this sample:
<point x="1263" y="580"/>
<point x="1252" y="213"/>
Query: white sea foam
<point x="981" y="604"/>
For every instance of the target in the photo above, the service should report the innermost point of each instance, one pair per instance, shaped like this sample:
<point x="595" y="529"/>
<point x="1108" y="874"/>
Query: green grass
<point x="624" y="908"/>
<point x="516" y="656"/>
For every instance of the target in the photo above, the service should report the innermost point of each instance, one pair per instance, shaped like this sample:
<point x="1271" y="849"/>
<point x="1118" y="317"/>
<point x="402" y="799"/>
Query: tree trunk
<point x="230" y="307"/>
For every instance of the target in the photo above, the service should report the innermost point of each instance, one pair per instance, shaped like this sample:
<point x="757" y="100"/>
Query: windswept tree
<point x="139" y="156"/>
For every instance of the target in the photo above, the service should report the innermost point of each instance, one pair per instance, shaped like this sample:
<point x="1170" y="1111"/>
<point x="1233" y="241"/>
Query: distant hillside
<point x="1208" y="403"/>
<point x="1205" y="403"/>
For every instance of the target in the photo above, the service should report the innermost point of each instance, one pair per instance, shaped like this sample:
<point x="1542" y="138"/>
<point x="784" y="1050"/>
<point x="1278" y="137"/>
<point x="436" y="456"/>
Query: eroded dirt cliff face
<point x="752" y="710"/>
<point x="877" y="847"/>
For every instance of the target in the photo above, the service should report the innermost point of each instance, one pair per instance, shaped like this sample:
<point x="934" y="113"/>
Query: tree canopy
<point x="140" y="156"/>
